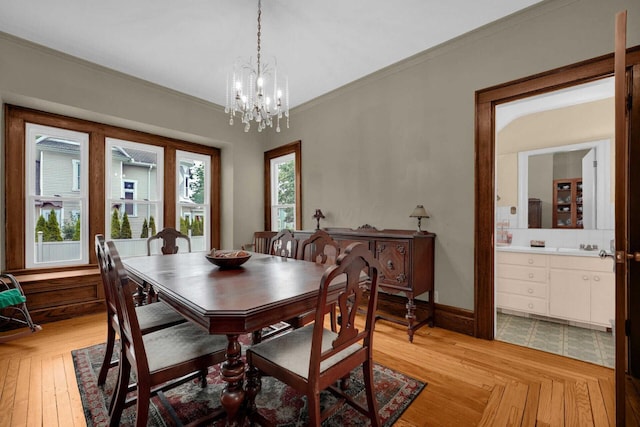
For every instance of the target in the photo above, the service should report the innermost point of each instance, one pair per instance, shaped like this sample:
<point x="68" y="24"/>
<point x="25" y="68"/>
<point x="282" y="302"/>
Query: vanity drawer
<point x="521" y="303"/>
<point x="530" y="274"/>
<point x="533" y="260"/>
<point x="529" y="289"/>
<point x="582" y="263"/>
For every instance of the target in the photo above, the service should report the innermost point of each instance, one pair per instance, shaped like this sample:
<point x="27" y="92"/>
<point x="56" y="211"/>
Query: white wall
<point x="404" y="136"/>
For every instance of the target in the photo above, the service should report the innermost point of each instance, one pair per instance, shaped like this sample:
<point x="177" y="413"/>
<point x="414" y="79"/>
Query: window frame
<point x="110" y="143"/>
<point x="76" y="167"/>
<point x="79" y="196"/>
<point x="206" y="204"/>
<point x="294" y="148"/>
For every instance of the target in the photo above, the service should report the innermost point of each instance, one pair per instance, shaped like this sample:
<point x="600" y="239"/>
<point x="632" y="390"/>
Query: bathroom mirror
<point x="539" y="171"/>
<point x="549" y="137"/>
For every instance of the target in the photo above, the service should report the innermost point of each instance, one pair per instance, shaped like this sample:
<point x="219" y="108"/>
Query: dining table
<point x="265" y="290"/>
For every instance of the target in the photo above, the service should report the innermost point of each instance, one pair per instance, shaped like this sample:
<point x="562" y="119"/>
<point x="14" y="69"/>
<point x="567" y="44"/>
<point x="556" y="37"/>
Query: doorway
<point x="554" y="212"/>
<point x="627" y="204"/>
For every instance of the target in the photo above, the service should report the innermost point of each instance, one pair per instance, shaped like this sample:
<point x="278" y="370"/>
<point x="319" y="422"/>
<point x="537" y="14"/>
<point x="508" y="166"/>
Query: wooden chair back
<point x="319" y="247"/>
<point x="130" y="334"/>
<point x="262" y="241"/>
<point x="104" y="274"/>
<point x="350" y="265"/>
<point x="333" y="354"/>
<point x="169" y="237"/>
<point x="284" y="244"/>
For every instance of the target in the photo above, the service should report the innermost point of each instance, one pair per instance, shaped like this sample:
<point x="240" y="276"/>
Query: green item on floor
<point x="11" y="297"/>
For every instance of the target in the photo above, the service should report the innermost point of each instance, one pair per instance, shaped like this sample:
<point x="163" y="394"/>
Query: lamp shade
<point x="419" y="212"/>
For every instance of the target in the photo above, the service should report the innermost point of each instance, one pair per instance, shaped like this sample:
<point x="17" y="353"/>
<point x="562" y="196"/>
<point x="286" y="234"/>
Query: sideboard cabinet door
<point x="394" y="262"/>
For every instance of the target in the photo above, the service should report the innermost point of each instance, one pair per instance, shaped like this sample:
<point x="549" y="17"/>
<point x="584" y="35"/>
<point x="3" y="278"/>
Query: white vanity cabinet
<point x="521" y="282"/>
<point x="582" y="289"/>
<point x="579" y="288"/>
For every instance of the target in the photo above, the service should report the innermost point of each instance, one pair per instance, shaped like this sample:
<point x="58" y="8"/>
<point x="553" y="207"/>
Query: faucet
<point x="588" y="247"/>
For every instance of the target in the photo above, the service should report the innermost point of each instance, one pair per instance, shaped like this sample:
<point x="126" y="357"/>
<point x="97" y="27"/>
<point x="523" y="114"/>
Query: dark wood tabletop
<point x="263" y="291"/>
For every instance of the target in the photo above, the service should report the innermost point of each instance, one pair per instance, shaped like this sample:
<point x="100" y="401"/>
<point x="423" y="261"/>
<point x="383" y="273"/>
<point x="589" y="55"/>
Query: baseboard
<point x="455" y="319"/>
<point x="447" y="317"/>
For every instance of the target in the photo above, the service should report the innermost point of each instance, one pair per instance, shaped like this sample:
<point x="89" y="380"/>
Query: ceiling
<point x="190" y="45"/>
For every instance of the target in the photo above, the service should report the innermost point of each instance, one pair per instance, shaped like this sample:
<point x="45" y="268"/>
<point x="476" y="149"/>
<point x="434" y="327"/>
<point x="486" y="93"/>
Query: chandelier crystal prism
<point x="254" y="92"/>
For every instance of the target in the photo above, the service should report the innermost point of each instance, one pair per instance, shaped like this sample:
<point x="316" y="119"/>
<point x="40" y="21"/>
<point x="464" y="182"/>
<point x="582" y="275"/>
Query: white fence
<point x="69" y="250"/>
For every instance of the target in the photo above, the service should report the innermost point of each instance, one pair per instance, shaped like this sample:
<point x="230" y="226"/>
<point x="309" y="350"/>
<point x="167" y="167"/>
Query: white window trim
<point x="75" y="163"/>
<point x="110" y="172"/>
<point x="206" y="205"/>
<point x="32" y="130"/>
<point x="275" y="162"/>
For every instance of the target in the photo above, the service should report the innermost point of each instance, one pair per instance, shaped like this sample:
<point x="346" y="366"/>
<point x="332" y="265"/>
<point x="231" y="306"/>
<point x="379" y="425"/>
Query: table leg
<point x="232" y="373"/>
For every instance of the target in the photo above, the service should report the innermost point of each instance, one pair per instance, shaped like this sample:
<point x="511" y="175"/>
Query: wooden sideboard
<point x="406" y="260"/>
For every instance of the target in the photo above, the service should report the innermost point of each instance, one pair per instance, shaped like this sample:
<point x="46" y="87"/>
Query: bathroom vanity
<point x="568" y="284"/>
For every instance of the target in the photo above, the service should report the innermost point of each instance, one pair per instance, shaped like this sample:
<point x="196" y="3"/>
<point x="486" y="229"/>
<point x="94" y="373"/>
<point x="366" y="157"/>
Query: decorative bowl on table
<point x="228" y="258"/>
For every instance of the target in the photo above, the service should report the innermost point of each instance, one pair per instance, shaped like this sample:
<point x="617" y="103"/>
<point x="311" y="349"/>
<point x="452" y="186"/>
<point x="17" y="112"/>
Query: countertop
<point x="549" y="251"/>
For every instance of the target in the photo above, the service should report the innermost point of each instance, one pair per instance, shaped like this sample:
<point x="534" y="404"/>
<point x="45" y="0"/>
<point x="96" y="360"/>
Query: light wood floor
<point x="471" y="382"/>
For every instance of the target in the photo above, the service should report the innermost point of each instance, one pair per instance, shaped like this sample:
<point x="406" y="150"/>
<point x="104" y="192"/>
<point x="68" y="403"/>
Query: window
<point x="55" y="196"/>
<point x="282" y="191"/>
<point x="134" y="194"/>
<point x="193" y="177"/>
<point x="86" y="177"/>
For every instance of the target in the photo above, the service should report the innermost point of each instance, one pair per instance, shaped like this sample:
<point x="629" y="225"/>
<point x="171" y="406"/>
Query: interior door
<point x="627" y="180"/>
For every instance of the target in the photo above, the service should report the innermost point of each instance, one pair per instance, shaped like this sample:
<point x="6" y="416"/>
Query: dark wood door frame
<point x="486" y="100"/>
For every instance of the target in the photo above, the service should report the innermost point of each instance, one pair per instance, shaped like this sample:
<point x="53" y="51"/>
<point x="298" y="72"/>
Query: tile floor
<point x="571" y="341"/>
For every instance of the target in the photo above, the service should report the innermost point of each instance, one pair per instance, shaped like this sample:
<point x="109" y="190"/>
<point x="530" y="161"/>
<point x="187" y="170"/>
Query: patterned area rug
<point x="277" y="402"/>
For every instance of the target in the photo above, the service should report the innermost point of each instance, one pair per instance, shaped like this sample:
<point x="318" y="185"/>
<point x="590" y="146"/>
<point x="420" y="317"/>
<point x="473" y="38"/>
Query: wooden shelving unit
<point x="567" y="203"/>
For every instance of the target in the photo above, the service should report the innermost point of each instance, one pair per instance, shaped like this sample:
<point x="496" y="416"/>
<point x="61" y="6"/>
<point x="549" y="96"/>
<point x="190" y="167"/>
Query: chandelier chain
<point x="259" y="32"/>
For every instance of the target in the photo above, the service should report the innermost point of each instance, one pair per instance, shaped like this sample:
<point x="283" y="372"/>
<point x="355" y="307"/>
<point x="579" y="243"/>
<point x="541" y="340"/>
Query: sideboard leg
<point x="410" y="316"/>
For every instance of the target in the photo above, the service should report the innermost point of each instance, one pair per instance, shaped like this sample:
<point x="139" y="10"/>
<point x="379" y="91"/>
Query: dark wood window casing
<point x="295" y="148"/>
<point x="15" y="176"/>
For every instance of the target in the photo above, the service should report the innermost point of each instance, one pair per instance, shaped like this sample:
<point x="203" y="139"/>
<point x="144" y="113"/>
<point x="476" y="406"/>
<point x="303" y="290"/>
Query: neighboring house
<point x="136" y="180"/>
<point x="57" y="174"/>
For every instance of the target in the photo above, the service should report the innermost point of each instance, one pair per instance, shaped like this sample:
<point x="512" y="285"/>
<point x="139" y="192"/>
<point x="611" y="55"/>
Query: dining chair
<point x="313" y="358"/>
<point x="169" y="237"/>
<point x="284" y="244"/>
<point x="322" y="249"/>
<point x="151" y="317"/>
<point x="261" y="242"/>
<point x="157" y="357"/>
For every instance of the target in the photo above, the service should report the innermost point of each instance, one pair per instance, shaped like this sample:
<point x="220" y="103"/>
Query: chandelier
<point x="254" y="92"/>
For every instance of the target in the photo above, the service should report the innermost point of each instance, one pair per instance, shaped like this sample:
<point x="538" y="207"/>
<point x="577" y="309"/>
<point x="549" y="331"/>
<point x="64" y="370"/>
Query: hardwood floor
<point x="471" y="382"/>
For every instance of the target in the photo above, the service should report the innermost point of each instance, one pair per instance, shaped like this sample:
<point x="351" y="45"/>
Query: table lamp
<point x="317" y="217"/>
<point x="419" y="212"/>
